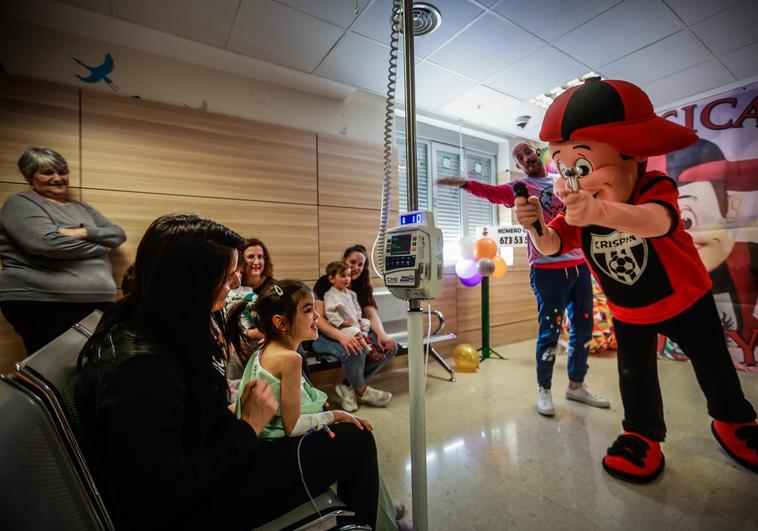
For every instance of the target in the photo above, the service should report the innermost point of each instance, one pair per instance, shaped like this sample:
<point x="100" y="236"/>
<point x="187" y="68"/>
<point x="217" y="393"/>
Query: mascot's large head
<point x="604" y="131"/>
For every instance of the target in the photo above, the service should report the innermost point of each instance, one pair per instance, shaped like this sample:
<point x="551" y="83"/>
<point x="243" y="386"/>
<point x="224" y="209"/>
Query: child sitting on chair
<point x="343" y="310"/>
<point x="286" y="315"/>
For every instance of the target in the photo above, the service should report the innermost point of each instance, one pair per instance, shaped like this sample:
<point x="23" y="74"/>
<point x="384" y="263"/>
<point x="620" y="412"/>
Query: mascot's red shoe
<point x="739" y="440"/>
<point x="634" y="458"/>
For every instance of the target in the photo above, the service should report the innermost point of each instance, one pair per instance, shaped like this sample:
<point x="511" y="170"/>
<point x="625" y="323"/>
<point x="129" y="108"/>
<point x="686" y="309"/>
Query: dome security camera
<point x="521" y="121"/>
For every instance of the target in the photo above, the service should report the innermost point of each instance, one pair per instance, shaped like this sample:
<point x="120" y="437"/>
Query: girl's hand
<point x="344" y="416"/>
<point x="258" y="405"/>
<point x="385" y="342"/>
<point x="346" y="323"/>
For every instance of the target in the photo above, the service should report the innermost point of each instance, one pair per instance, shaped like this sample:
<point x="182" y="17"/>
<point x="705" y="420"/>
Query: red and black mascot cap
<point x="616" y="113"/>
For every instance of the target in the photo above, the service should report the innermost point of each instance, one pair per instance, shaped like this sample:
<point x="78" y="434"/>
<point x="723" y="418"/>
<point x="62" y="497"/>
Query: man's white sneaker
<point x="583" y="394"/>
<point x="545" y="403"/>
<point x="347" y="397"/>
<point x="375" y="397"/>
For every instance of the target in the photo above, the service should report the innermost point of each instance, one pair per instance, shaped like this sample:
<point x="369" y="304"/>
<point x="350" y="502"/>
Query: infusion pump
<point x="413" y="257"/>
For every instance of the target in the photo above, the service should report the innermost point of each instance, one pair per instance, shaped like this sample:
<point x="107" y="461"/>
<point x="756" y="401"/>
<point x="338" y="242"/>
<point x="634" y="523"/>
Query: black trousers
<point x="699" y="334"/>
<point x="269" y="484"/>
<point x="38" y="323"/>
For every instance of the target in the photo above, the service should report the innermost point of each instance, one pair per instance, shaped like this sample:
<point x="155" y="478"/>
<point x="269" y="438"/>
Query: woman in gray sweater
<point x="54" y="253"/>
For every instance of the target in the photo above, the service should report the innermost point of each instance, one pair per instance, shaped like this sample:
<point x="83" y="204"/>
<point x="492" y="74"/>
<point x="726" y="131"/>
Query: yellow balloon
<point x="466" y="358"/>
<point x="501" y="268"/>
<point x="485" y="248"/>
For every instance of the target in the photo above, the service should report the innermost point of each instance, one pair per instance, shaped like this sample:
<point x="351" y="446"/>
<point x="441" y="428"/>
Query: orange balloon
<point x="485" y="248"/>
<point x="501" y="268"/>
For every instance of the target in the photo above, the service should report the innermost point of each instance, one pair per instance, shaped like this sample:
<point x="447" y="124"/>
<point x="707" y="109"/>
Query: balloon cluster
<point x="479" y="259"/>
<point x="547" y="160"/>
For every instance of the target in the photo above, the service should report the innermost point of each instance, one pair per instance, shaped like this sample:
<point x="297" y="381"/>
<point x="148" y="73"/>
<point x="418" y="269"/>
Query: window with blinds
<point x="456" y="213"/>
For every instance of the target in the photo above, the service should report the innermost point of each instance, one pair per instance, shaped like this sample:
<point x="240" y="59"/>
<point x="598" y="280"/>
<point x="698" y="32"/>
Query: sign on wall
<point x="504" y="235"/>
<point x="718" y="201"/>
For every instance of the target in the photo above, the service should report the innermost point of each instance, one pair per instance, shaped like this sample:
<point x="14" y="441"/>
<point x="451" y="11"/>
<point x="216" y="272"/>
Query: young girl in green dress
<point x="286" y="315"/>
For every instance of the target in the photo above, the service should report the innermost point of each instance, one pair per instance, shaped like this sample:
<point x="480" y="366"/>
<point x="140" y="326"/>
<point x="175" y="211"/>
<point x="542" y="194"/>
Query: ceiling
<point x="489" y="57"/>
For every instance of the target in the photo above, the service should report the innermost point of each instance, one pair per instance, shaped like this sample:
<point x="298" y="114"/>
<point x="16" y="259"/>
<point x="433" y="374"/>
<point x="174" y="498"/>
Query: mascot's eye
<point x="688" y="219"/>
<point x="583" y="167"/>
<point x="563" y="169"/>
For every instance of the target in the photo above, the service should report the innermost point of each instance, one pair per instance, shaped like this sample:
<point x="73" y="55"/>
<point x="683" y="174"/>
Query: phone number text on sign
<point x="504" y="235"/>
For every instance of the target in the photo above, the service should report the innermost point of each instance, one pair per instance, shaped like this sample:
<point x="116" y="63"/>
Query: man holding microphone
<point x="558" y="282"/>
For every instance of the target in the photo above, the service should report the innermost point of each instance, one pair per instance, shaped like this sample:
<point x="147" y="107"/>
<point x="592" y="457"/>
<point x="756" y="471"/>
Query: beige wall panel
<point x="289" y="231"/>
<point x="35" y="113"/>
<point x="502" y="334"/>
<point x="511" y="300"/>
<point x="350" y="174"/>
<point x="520" y="259"/>
<point x="447" y="303"/>
<point x="11" y="347"/>
<point x="149" y="147"/>
<point x="340" y="228"/>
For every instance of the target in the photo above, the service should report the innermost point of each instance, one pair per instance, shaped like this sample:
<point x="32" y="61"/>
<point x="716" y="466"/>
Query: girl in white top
<point x="341" y="305"/>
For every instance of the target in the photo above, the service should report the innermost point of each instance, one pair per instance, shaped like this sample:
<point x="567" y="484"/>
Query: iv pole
<point x="415" y="334"/>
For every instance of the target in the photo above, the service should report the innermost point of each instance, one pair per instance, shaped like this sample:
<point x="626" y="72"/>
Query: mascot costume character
<point x="627" y="222"/>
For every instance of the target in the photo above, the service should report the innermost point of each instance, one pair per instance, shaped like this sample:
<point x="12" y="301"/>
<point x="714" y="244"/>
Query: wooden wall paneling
<point x="511" y="301"/>
<point x="520" y="259"/>
<point x="289" y="231"/>
<point x="502" y="334"/>
<point x="35" y="113"/>
<point x="140" y="146"/>
<point x="340" y="228"/>
<point x="447" y="303"/>
<point x="11" y="347"/>
<point x="351" y="174"/>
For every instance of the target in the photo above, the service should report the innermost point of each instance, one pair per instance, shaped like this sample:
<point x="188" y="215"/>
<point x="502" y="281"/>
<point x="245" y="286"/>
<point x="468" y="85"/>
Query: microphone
<point x="520" y="190"/>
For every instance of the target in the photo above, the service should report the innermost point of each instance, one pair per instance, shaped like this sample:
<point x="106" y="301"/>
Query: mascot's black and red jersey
<point x="627" y="222"/>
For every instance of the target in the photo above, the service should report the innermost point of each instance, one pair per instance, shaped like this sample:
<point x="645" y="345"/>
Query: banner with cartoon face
<point x="718" y="200"/>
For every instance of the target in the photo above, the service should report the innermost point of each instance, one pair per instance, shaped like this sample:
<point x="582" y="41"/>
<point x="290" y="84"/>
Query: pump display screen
<point x="400" y="244"/>
<point x="411" y="219"/>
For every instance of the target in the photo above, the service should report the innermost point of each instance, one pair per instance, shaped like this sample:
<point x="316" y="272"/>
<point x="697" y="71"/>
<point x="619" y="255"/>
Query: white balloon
<point x="466" y="246"/>
<point x="485" y="266"/>
<point x="465" y="268"/>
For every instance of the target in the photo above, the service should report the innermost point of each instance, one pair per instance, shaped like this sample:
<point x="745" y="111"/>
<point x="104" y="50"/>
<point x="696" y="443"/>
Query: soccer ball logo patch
<point x="619" y="255"/>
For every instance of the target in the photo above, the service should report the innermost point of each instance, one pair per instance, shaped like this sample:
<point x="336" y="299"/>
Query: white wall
<point x="43" y="53"/>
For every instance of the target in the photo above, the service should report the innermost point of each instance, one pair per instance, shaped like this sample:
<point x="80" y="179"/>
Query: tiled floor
<point x="494" y="463"/>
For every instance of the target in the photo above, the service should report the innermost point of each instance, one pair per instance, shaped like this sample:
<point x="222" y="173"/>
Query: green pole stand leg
<point x="486" y="350"/>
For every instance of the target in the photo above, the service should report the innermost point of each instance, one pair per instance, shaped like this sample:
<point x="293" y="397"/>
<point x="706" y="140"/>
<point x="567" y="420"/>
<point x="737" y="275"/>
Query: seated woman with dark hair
<point x="348" y="348"/>
<point x="152" y="399"/>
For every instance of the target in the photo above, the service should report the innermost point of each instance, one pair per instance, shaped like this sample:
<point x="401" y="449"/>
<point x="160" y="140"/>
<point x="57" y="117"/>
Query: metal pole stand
<point x="486" y="350"/>
<point x="418" y="416"/>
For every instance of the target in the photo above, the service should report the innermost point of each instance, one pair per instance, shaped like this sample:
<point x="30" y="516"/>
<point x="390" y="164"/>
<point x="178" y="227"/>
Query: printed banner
<point x="718" y="200"/>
